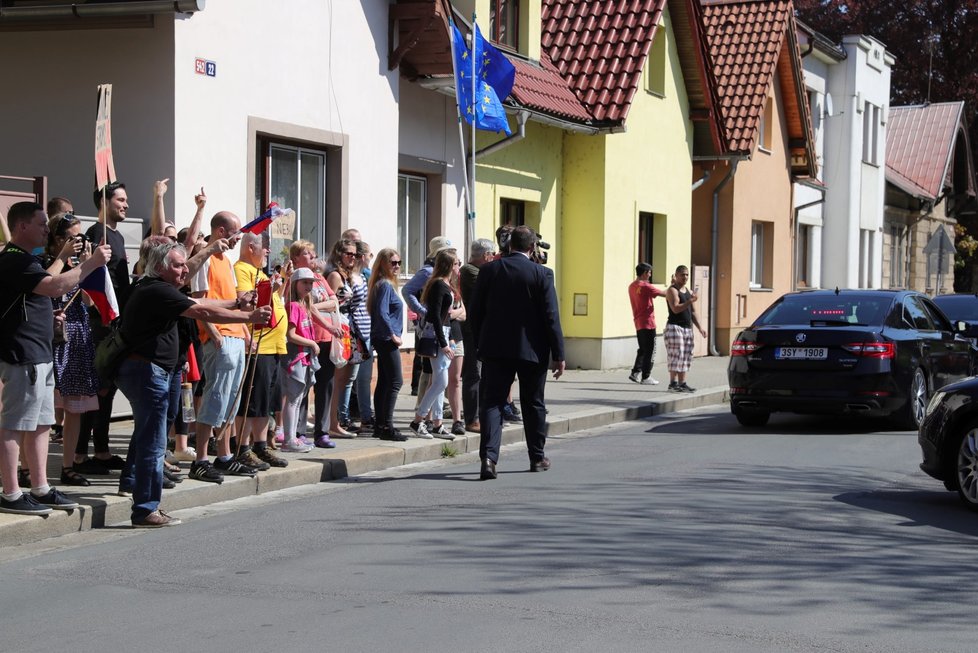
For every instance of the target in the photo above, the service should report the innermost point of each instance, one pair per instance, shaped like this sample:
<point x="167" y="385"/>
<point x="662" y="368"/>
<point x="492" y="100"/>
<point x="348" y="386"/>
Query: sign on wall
<point x="205" y="67"/>
<point x="104" y="166"/>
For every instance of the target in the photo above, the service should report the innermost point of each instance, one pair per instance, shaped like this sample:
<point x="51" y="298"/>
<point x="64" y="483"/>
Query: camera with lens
<point x="539" y="253"/>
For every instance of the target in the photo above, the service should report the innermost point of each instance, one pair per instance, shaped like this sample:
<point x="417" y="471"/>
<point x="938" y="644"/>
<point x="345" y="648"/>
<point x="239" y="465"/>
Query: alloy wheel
<point x="918" y="397"/>
<point x="967" y="468"/>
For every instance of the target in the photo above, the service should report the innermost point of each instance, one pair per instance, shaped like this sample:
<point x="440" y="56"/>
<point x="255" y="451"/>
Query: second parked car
<point x="868" y="352"/>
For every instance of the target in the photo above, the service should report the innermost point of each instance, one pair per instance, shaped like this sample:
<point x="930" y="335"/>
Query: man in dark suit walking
<point x="516" y="321"/>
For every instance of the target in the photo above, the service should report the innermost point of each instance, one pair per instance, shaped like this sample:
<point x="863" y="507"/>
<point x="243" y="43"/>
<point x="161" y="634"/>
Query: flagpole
<point x="461" y="133"/>
<point x="470" y="222"/>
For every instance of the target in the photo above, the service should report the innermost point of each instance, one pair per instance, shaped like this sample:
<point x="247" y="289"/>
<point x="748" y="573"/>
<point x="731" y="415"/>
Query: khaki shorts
<point x="27" y="399"/>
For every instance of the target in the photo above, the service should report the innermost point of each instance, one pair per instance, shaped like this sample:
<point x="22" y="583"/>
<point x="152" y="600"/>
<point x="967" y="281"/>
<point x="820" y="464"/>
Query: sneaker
<point x="187" y="455"/>
<point x="685" y="388"/>
<point x="458" y="428"/>
<point x="634" y="377"/>
<point x="390" y="434"/>
<point x="266" y="455"/>
<point x="294" y="446"/>
<point x="367" y="426"/>
<point x="513" y="407"/>
<point x="650" y="381"/>
<point x="124" y="493"/>
<point x="249" y="459"/>
<point x="234" y="468"/>
<point x="25" y="505"/>
<point x="169" y="457"/>
<point x="303" y="440"/>
<point x="56" y="499"/>
<point x="279" y="436"/>
<point x="113" y="462"/>
<point x="156" y="519"/>
<point x="673" y="387"/>
<point x="510" y="414"/>
<point x="421" y="431"/>
<point x="167" y="474"/>
<point x="323" y="442"/>
<point x="441" y="432"/>
<point x="203" y="470"/>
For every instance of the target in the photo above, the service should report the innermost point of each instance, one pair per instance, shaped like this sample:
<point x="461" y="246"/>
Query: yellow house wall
<point x="527" y="170"/>
<point x="649" y="169"/>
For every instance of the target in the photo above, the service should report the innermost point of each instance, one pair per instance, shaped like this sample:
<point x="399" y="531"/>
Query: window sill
<point x="761" y="289"/>
<point x="657" y="94"/>
<point x="765" y="150"/>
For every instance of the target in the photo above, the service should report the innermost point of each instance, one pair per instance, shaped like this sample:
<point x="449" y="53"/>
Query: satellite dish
<point x="828" y="105"/>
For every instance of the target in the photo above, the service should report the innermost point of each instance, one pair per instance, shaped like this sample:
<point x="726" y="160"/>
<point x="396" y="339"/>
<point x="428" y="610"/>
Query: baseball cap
<point x="301" y="274"/>
<point x="437" y="244"/>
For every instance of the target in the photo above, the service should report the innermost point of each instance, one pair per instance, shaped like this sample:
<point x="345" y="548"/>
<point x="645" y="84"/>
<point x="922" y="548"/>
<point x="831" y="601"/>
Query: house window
<point x="295" y="178"/>
<point x="504" y="22"/>
<point x="512" y="212"/>
<point x="412" y="209"/>
<point x="655" y="68"/>
<point x="871" y="134"/>
<point x="764" y="125"/>
<point x="896" y="256"/>
<point x="761" y="254"/>
<point x="652" y="243"/>
<point x="866" y="255"/>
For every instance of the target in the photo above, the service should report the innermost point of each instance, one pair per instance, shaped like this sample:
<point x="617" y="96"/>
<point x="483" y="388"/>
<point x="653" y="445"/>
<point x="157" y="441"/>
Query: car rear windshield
<point x="829" y="309"/>
<point x="958" y="307"/>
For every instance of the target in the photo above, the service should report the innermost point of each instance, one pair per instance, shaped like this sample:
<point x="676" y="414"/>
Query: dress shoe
<point x="541" y="465"/>
<point x="488" y="472"/>
<point x="473" y="427"/>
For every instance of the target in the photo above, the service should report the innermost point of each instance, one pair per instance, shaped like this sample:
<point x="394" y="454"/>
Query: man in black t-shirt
<point x="95" y="425"/>
<point x="26" y="358"/>
<point x="149" y="326"/>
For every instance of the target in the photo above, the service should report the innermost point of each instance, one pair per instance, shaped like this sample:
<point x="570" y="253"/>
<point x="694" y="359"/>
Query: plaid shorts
<point x="679" y="347"/>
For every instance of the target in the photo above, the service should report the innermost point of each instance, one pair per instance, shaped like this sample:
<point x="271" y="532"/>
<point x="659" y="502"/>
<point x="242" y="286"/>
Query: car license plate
<point x="802" y="353"/>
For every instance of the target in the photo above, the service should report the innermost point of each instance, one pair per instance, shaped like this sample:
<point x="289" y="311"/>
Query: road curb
<point x="99" y="510"/>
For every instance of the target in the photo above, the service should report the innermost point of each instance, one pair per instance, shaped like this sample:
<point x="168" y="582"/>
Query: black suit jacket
<point x="514" y="313"/>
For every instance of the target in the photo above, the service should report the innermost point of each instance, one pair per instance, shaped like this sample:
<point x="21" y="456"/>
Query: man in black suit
<point x="516" y="321"/>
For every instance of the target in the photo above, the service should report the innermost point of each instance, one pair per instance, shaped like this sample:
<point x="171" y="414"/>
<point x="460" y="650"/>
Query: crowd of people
<point x="231" y="352"/>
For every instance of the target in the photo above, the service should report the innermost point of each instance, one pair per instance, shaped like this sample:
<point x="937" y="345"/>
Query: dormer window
<point x="504" y="23"/>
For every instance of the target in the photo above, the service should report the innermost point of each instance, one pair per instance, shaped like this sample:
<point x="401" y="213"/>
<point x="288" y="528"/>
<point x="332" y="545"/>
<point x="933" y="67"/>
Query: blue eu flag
<point x="494" y="80"/>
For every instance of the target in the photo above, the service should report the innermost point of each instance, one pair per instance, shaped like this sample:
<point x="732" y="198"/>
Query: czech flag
<point x="98" y="287"/>
<point x="260" y="224"/>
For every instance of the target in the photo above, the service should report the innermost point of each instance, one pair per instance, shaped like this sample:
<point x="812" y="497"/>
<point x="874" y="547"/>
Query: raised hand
<point x="160" y="187"/>
<point x="200" y="199"/>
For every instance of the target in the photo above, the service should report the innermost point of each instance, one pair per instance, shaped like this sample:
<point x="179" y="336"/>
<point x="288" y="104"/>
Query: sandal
<point x="70" y="477"/>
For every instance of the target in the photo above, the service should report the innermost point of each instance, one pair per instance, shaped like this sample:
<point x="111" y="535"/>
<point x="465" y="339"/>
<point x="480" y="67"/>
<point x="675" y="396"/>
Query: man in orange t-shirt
<point x="223" y="358"/>
<point x="641" y="293"/>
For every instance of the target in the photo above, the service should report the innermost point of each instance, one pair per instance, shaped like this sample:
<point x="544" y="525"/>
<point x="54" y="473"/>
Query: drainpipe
<point x="714" y="255"/>
<point x="520" y="134"/>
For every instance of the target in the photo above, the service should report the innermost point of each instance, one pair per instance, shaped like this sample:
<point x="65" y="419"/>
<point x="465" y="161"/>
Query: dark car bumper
<point x="856" y="404"/>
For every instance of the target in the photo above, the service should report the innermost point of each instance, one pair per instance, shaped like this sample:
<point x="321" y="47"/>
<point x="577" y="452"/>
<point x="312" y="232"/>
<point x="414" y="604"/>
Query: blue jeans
<point x="147" y="387"/>
<point x="434" y="397"/>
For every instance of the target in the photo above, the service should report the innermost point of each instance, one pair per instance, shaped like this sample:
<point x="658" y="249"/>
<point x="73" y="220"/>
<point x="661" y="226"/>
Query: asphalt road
<point x="678" y="533"/>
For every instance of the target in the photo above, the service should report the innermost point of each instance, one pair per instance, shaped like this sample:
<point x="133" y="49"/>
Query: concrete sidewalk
<point x="581" y="399"/>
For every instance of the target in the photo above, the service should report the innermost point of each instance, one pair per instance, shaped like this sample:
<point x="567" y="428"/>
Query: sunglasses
<point x="396" y="263"/>
<point x="348" y="253"/>
<point x="66" y="222"/>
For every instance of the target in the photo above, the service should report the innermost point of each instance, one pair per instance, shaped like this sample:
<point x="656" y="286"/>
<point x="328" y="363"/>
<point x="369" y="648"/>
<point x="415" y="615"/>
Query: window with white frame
<point x="412" y="210"/>
<point x="296" y="178"/>
<point x="871" y="133"/>
<point x="896" y="256"/>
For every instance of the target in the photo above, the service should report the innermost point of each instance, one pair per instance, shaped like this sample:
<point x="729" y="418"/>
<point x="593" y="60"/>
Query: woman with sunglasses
<point x="347" y="282"/>
<point x="75" y="381"/>
<point x="386" y="326"/>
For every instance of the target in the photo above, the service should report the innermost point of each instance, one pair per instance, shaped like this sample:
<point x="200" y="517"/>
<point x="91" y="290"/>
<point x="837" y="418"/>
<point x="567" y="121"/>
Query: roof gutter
<point x="104" y="9"/>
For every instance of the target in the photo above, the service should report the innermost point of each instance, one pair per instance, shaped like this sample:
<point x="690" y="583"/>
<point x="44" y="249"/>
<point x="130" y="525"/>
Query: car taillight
<point x="871" y="349"/>
<point x="744" y="347"/>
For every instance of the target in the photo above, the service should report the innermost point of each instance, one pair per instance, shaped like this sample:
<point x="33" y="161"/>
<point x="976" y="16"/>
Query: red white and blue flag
<point x="98" y="286"/>
<point x="260" y="224"/>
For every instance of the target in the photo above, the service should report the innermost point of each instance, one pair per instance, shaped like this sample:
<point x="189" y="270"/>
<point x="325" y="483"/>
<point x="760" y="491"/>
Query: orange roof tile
<point x="599" y="47"/>
<point x="920" y="146"/>
<point x="744" y="38"/>
<point x="541" y="87"/>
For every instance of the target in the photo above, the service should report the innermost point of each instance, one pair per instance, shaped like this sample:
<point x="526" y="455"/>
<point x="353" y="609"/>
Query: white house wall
<point x="305" y="66"/>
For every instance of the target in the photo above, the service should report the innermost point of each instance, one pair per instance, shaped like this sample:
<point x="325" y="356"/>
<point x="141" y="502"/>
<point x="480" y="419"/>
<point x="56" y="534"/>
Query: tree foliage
<point x="935" y="44"/>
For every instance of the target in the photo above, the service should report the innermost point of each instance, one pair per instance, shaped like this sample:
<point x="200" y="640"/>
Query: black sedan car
<point x="867" y="352"/>
<point x="948" y="439"/>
